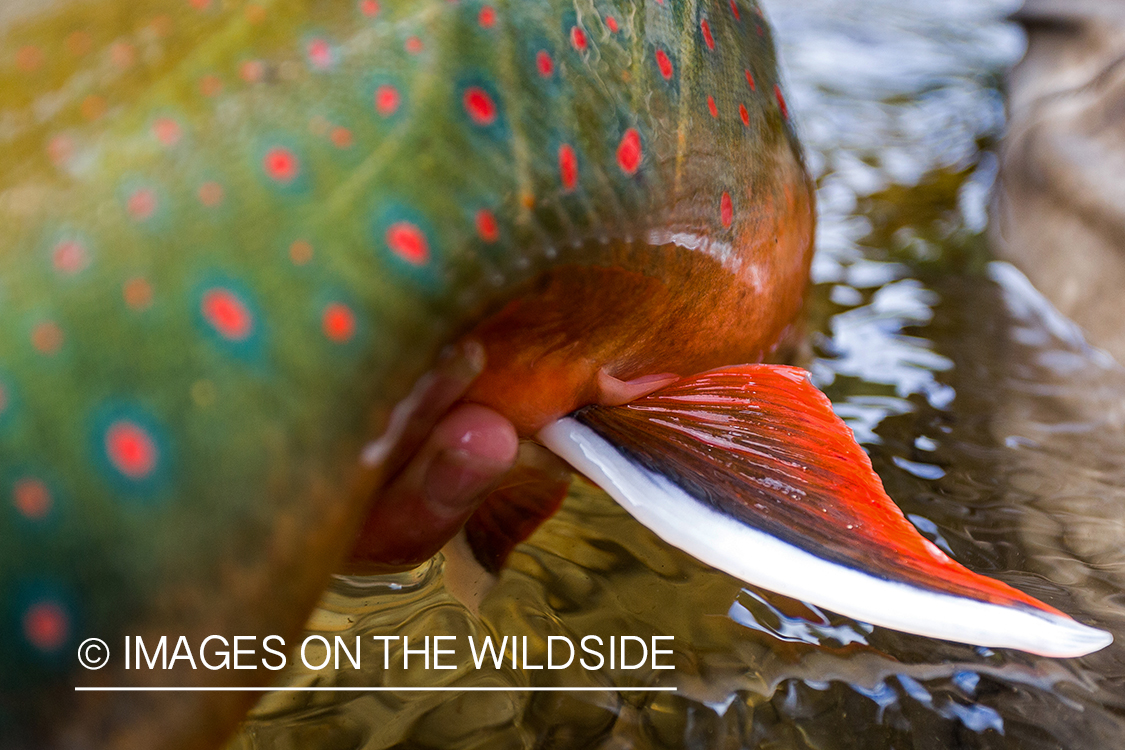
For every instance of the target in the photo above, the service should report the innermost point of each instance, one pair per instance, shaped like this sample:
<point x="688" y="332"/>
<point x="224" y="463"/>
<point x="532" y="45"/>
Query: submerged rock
<point x="1059" y="212"/>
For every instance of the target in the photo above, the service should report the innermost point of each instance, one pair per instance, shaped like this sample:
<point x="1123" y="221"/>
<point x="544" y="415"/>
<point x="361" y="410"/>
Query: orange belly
<point x="638" y="310"/>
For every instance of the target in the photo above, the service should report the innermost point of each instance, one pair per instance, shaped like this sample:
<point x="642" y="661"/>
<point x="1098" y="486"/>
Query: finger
<point x="425" y="505"/>
<point x="415" y="416"/>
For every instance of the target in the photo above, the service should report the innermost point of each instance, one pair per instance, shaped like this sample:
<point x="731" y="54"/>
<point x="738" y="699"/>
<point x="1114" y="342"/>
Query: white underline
<point x="132" y="689"/>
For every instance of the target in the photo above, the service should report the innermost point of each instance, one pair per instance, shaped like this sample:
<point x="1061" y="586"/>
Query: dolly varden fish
<point x="236" y="234"/>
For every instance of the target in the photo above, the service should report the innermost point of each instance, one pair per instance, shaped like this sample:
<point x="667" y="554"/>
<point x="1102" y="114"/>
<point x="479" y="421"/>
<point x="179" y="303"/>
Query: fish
<point x="238" y="236"/>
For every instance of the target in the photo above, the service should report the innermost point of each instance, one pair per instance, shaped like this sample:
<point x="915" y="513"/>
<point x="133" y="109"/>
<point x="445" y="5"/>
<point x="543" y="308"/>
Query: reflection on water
<point x="994" y="426"/>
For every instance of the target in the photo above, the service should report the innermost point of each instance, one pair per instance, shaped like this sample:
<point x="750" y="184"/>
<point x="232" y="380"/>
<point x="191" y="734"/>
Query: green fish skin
<point x="236" y="233"/>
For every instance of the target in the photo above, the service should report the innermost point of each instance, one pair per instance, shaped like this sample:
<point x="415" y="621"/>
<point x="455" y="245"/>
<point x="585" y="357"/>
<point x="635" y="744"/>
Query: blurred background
<point x="996" y="423"/>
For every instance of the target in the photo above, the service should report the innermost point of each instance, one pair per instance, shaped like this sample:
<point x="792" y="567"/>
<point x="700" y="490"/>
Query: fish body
<point x="236" y="233"/>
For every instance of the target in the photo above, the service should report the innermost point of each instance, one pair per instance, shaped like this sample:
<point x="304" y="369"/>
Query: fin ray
<point x="749" y="470"/>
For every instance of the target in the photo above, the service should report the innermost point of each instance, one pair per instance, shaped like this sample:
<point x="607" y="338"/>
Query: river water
<point x="995" y="427"/>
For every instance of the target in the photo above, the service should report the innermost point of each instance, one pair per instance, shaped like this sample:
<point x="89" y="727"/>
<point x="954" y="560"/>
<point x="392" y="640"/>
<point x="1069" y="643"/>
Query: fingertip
<point x="479" y="433"/>
<point x="423" y="506"/>
<point x="475" y="447"/>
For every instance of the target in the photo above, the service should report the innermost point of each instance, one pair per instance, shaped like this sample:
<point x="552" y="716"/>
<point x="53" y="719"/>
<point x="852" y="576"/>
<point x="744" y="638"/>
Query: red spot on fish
<point x="387" y="100"/>
<point x="744" y="114"/>
<point x="706" y="29"/>
<point x="46" y="626"/>
<point x="369" y="8"/>
<point x="664" y="64"/>
<point x="726" y="210"/>
<point x="29" y="58"/>
<point x="734" y="10"/>
<point x="487" y="17"/>
<point x="122" y="55"/>
<point x="750" y="80"/>
<point x="413" y="45"/>
<point x="487" y="228"/>
<point x="611" y="24"/>
<point x="319" y="53"/>
<point x="714" y="110"/>
<point x="408" y="242"/>
<point x="137" y="293"/>
<point x="300" y="252"/>
<point x="210" y="194"/>
<point x="578" y="38"/>
<point x="60" y="149"/>
<point x="479" y="106"/>
<point x="47" y="337"/>
<point x="629" y="151"/>
<point x="780" y="101"/>
<point x="131" y="449"/>
<point x="141" y="204"/>
<point x="78" y="43"/>
<point x="252" y="71"/>
<point x="200" y="4"/>
<point x="210" y="85"/>
<point x="568" y="167"/>
<point x="31" y="498"/>
<point x="227" y="314"/>
<point x="281" y="165"/>
<point x="544" y="64"/>
<point x="93" y="107"/>
<point x="161" y="26"/>
<point x="255" y="13"/>
<point x="338" y="322"/>
<point x="167" y="131"/>
<point x="69" y="257"/>
<point x="341" y="137"/>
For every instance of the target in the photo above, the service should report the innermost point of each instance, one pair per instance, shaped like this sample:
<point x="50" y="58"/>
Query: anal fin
<point x="749" y="470"/>
<point x="528" y="495"/>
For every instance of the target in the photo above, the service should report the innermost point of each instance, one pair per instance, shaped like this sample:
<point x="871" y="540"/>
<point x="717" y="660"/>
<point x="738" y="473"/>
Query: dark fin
<point x="528" y="495"/>
<point x="748" y="469"/>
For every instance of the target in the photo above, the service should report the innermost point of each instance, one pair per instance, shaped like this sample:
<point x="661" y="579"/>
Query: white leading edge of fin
<point x="762" y="560"/>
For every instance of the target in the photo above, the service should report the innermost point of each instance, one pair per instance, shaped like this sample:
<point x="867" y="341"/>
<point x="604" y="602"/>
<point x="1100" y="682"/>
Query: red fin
<point x="529" y="494"/>
<point x="749" y="469"/>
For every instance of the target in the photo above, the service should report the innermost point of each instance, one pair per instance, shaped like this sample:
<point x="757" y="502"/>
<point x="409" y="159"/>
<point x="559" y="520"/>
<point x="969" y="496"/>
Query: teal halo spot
<point x="144" y="203"/>
<point x="217" y="303"/>
<point x="394" y="221"/>
<point x="385" y="97"/>
<point x="557" y="142"/>
<point x="145" y="476"/>
<point x="282" y="166"/>
<point x="67" y="252"/>
<point x="654" y="74"/>
<point x="340" y="322"/>
<point x="32" y="495"/>
<point x="168" y="129"/>
<point x="320" y="53"/>
<point x="369" y="9"/>
<point x="532" y="46"/>
<point x="45" y="648"/>
<point x="568" y="21"/>
<point x="477" y="96"/>
<point x="633" y="188"/>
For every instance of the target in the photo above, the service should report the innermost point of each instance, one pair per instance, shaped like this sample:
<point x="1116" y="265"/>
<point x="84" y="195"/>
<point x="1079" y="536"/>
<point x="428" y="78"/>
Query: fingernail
<point x="456" y="478"/>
